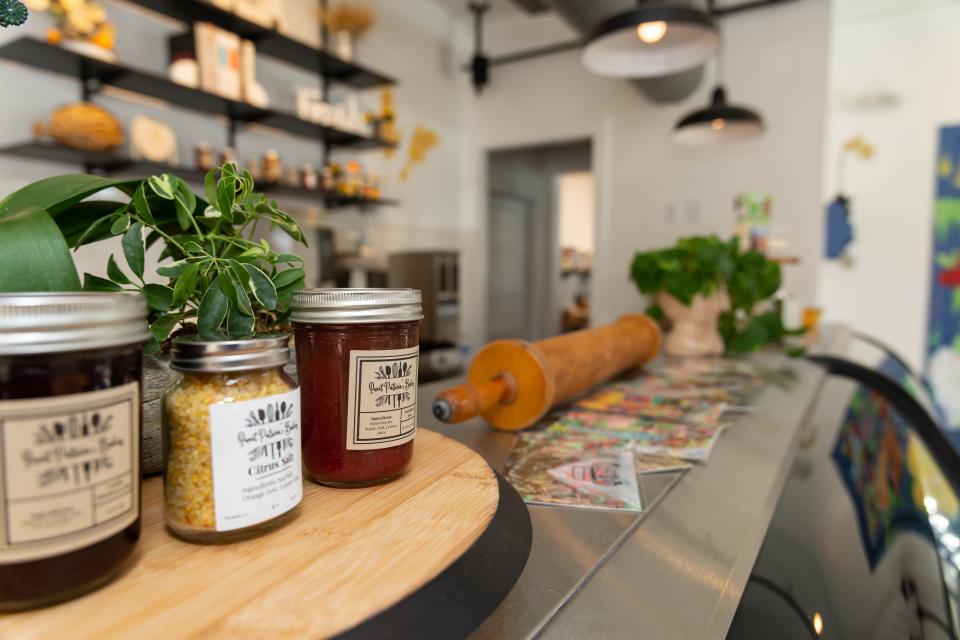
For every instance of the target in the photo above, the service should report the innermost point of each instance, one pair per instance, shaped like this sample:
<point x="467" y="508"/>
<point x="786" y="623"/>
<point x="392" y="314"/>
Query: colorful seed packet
<point x="621" y="400"/>
<point x="679" y="440"/>
<point x="591" y="471"/>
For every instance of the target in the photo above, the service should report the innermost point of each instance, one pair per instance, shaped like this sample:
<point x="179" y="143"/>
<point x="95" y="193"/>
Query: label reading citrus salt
<point x="71" y="471"/>
<point x="382" y="401"/>
<point x="255" y="453"/>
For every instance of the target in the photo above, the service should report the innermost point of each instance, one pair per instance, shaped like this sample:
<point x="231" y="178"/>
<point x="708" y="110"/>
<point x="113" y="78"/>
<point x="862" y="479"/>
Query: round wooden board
<point x="430" y="554"/>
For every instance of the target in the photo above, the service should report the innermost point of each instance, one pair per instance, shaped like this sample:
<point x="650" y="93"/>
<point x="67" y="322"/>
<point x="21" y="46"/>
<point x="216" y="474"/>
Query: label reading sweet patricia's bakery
<point x="382" y="405"/>
<point x="255" y="452"/>
<point x="71" y="470"/>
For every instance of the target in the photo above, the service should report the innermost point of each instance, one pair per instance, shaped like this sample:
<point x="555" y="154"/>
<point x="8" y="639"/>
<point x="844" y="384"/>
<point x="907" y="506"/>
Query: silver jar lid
<point x="34" y="323"/>
<point x="356" y="306"/>
<point x="197" y="356"/>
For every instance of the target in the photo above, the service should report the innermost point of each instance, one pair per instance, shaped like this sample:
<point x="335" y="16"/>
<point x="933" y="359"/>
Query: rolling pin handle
<point x="473" y="399"/>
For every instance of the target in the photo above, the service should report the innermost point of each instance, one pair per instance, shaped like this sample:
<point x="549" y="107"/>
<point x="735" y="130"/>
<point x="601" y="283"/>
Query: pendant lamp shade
<point x="652" y="40"/>
<point x="719" y="122"/>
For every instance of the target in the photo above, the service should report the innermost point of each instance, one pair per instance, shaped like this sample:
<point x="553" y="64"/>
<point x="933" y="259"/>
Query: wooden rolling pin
<point x="513" y="383"/>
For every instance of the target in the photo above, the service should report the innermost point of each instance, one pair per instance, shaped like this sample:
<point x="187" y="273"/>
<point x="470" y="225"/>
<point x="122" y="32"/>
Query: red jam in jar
<point x="357" y="359"/>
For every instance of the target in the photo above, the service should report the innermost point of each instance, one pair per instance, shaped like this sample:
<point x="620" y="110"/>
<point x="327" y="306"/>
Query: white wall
<point x="776" y="61"/>
<point x="906" y="49"/>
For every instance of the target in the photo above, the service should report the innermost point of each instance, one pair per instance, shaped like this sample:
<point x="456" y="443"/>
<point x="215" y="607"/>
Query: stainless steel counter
<point x="678" y="569"/>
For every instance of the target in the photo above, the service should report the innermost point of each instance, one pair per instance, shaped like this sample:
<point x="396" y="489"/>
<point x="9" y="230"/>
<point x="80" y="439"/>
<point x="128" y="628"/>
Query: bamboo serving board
<point x="349" y="556"/>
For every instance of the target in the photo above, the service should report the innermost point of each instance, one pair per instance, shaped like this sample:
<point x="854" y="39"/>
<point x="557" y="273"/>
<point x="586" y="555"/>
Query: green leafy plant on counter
<point x="221" y="283"/>
<point x="703" y="265"/>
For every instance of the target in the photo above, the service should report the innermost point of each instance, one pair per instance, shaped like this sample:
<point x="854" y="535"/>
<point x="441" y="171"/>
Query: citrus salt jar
<point x="231" y="439"/>
<point x="357" y="359"/>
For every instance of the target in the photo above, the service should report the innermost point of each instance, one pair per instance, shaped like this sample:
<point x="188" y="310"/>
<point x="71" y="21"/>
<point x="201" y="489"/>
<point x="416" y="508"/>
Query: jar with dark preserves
<point x="70" y="394"/>
<point x="357" y="358"/>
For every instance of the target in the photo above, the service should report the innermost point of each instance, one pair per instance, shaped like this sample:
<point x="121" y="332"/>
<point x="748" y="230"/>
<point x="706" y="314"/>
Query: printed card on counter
<point x="590" y="471"/>
<point x="692" y="442"/>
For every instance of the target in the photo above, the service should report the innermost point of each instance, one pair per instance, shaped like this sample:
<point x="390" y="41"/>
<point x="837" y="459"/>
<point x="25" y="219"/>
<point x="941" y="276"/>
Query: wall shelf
<point x="43" y="55"/>
<point x="270" y="42"/>
<point x="108" y="163"/>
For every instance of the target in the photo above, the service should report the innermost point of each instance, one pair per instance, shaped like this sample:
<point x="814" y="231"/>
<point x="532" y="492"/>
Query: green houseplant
<point x="220" y="282"/>
<point x="732" y="289"/>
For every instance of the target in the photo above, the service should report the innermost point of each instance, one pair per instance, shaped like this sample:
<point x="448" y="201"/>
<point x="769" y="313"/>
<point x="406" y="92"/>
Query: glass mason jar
<point x="70" y="401"/>
<point x="357" y="360"/>
<point x="231" y="439"/>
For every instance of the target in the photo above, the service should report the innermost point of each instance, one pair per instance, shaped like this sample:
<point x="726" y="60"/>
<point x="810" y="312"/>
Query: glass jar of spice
<point x="231" y="439"/>
<point x="357" y="359"/>
<point x="70" y="392"/>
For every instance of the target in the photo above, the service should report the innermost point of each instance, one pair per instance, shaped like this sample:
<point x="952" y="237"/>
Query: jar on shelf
<point x="231" y="439"/>
<point x="357" y="360"/>
<point x="70" y="400"/>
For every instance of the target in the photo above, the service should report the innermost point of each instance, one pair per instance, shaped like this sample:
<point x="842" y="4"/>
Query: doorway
<point x="540" y="229"/>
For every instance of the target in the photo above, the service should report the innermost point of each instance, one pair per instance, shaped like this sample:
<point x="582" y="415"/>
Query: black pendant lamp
<point x="719" y="122"/>
<point x="652" y="40"/>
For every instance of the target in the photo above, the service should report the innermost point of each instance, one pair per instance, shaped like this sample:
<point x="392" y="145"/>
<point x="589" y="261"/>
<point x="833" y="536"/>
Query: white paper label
<point x="382" y="405"/>
<point x="71" y="471"/>
<point x="255" y="454"/>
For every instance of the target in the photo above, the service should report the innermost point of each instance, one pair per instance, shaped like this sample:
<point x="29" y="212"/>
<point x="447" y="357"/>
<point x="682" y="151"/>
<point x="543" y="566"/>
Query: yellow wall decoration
<point x="421" y="143"/>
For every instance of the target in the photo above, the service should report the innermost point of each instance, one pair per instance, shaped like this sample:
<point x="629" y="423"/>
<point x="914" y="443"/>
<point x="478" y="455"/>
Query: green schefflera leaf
<point x="185" y="202"/>
<point x="263" y="288"/>
<point x="141" y="206"/>
<point x="115" y="273"/>
<point x="213" y="310"/>
<point x="159" y="297"/>
<point x="162" y="326"/>
<point x="185" y="285"/>
<point x="175" y="269"/>
<point x="287" y="277"/>
<point x="121" y="224"/>
<point x="192" y="247"/>
<point x="239" y="325"/>
<point x="96" y="283"/>
<point x="163" y="185"/>
<point x="133" y="248"/>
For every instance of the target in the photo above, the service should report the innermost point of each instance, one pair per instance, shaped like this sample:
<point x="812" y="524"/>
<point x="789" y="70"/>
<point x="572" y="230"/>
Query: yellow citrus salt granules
<point x="188" y="478"/>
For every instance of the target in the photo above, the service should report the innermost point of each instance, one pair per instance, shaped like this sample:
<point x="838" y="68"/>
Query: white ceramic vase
<point x="693" y="329"/>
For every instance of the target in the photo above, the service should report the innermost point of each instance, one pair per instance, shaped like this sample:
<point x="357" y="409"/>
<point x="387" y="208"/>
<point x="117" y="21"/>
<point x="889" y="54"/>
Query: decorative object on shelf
<point x="272" y="168"/>
<point x="12" y="13"/>
<point x="308" y="177"/>
<point x="82" y="26"/>
<point x="346" y="116"/>
<point x="254" y="169"/>
<point x="422" y="142"/>
<point x="651" y="40"/>
<point x="218" y="56"/>
<point x="702" y="271"/>
<point x="71" y="427"/>
<point x="185" y="70"/>
<point x="266" y="13"/>
<point x="291" y="177"/>
<point x="203" y="156"/>
<point x="152" y="140"/>
<point x="253" y="92"/>
<point x="347" y="22"/>
<point x="357" y="359"/>
<point x="513" y="383"/>
<point x="753" y="211"/>
<point x="235" y="401"/>
<point x="386" y="122"/>
<point x="82" y="125"/>
<point x="228" y="156"/>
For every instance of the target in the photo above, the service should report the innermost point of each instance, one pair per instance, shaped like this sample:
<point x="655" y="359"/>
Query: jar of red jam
<point x="70" y="394"/>
<point x="357" y="358"/>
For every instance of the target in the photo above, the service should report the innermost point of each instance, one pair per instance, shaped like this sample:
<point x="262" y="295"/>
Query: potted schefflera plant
<point x="714" y="297"/>
<point x="215" y="279"/>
